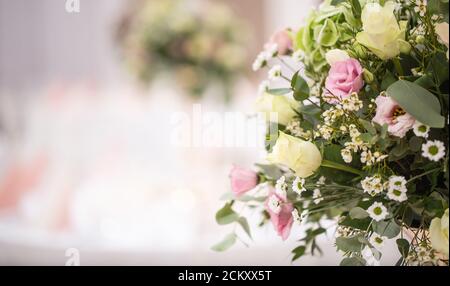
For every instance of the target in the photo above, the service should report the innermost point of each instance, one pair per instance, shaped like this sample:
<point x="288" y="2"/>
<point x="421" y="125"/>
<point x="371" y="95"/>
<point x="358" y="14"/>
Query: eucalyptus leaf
<point x="244" y="224"/>
<point x="353" y="261"/>
<point x="358" y="213"/>
<point x="300" y="87"/>
<point x="352" y="244"/>
<point x="279" y="91"/>
<point x="388" y="228"/>
<point x="403" y="247"/>
<point x="226" y="215"/>
<point x="226" y="243"/>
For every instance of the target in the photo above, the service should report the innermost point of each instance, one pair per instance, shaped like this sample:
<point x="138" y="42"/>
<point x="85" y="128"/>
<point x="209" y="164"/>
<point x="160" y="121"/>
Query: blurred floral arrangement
<point x="360" y="133"/>
<point x="199" y="43"/>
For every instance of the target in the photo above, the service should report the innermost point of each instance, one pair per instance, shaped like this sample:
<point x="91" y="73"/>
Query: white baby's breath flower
<point x="275" y="72"/>
<point x="321" y="180"/>
<point x="298" y="56"/>
<point x="260" y="61"/>
<point x="263" y="87"/>
<point x="367" y="158"/>
<point x="298" y="186"/>
<point x="421" y="130"/>
<point x="346" y="155"/>
<point x="274" y="204"/>
<point x="433" y="150"/>
<point x="377" y="241"/>
<point x="281" y="187"/>
<point x="317" y="196"/>
<point x="272" y="50"/>
<point x="377" y="211"/>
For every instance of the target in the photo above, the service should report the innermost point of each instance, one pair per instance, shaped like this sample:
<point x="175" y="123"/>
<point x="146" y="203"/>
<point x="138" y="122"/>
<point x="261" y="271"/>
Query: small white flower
<point x="321" y="180"/>
<point x="260" y="61"/>
<point x="397" y="182"/>
<point x="421" y="130"/>
<point x="377" y="241"/>
<point x="377" y="211"/>
<point x="281" y="187"/>
<point x="274" y="204"/>
<point x="346" y="155"/>
<point x="397" y="195"/>
<point x="317" y="196"/>
<point x="263" y="87"/>
<point x="367" y="158"/>
<point x="298" y="186"/>
<point x="433" y="150"/>
<point x="272" y="50"/>
<point x="275" y="72"/>
<point x="296" y="216"/>
<point x="298" y="56"/>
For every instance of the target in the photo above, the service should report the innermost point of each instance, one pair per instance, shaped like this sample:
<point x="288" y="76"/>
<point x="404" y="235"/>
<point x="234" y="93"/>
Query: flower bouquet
<point x="358" y="135"/>
<point x="196" y="44"/>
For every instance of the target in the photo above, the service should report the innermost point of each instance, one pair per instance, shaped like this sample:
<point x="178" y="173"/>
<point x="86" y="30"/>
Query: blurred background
<point x="86" y="100"/>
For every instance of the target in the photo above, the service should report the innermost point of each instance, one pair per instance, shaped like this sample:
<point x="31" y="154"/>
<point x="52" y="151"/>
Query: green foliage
<point x="300" y="87"/>
<point x="226" y="215"/>
<point x="388" y="228"/>
<point x="403" y="247"/>
<point x="226" y="243"/>
<point x="353" y="261"/>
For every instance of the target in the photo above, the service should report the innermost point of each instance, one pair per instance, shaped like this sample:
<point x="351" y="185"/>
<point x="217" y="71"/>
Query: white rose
<point x="439" y="234"/>
<point x="277" y="105"/>
<point x="303" y="157"/>
<point x="382" y="34"/>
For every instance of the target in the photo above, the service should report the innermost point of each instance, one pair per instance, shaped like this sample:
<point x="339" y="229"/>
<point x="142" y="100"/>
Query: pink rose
<point x="283" y="41"/>
<point x="282" y="221"/>
<point x="242" y="180"/>
<point x="390" y="113"/>
<point x="343" y="78"/>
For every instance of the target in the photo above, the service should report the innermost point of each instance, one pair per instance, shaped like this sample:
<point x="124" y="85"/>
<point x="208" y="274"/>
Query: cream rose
<point x="439" y="234"/>
<point x="381" y="33"/>
<point x="279" y="105"/>
<point x="303" y="157"/>
<point x="442" y="31"/>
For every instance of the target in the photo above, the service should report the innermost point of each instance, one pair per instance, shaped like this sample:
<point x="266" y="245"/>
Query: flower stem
<point x="337" y="166"/>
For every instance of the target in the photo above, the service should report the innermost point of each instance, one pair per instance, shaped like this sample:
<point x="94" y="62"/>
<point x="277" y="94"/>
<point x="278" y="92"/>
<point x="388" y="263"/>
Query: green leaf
<point x="403" y="247"/>
<point x="298" y="252"/>
<point x="244" y="224"/>
<point x="387" y="80"/>
<point x="336" y="2"/>
<point x="356" y="8"/>
<point x="438" y="67"/>
<point x="271" y="171"/>
<point x="418" y="102"/>
<point x="358" y="213"/>
<point x="279" y="91"/>
<point x="300" y="87"/>
<point x="226" y="215"/>
<point x="388" y="228"/>
<point x="226" y="243"/>
<point x="376" y="253"/>
<point x="368" y="126"/>
<point x="352" y="244"/>
<point x="415" y="143"/>
<point x="353" y="261"/>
